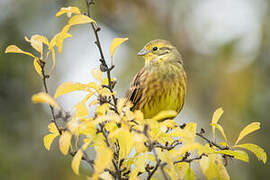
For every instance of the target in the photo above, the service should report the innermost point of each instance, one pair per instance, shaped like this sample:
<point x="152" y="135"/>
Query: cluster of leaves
<point x="127" y="146"/>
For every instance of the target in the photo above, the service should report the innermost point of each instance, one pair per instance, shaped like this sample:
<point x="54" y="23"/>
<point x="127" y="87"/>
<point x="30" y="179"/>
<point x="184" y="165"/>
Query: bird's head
<point x="159" y="50"/>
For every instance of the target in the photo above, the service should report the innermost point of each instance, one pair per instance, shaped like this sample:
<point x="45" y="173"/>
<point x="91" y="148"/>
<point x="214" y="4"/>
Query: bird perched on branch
<point x="161" y="84"/>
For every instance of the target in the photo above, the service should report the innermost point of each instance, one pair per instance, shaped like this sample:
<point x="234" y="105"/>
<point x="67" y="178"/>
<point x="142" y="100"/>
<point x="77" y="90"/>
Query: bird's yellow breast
<point x="166" y="90"/>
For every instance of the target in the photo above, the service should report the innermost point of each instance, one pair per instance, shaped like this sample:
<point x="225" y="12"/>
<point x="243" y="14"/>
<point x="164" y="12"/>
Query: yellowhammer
<point x="161" y="84"/>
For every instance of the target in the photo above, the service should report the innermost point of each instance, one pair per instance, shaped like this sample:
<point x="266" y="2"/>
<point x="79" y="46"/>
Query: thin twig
<point x="103" y="66"/>
<point x="60" y="114"/>
<point x="168" y="147"/>
<point x="190" y="160"/>
<point x="154" y="151"/>
<point x="44" y="81"/>
<point x="211" y="143"/>
<point x="151" y="173"/>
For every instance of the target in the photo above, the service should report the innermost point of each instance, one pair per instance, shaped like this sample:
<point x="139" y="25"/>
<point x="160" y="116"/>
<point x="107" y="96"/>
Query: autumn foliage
<point x="126" y="145"/>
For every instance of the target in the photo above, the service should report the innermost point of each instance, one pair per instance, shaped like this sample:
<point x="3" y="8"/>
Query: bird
<point x="161" y="84"/>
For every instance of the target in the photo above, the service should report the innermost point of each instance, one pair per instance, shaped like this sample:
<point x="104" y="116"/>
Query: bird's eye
<point x="155" y="48"/>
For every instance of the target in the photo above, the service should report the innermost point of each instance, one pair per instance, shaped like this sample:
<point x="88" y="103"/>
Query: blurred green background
<point x="226" y="50"/>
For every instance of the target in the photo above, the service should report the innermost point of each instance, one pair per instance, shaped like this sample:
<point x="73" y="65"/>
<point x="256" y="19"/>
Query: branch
<point x="60" y="114"/>
<point x="85" y="158"/>
<point x="103" y="66"/>
<point x="167" y="146"/>
<point x="44" y="81"/>
<point x="184" y="159"/>
<point x="151" y="173"/>
<point x="211" y="143"/>
<point x="151" y="147"/>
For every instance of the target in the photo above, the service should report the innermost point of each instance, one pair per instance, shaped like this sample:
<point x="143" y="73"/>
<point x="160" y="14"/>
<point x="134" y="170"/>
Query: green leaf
<point x="247" y="130"/>
<point x="257" y="150"/>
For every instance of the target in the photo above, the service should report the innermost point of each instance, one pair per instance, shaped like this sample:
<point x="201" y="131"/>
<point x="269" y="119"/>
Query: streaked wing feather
<point x="134" y="94"/>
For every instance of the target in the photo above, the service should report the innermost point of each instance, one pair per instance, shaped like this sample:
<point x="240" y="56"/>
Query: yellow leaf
<point x="81" y="110"/>
<point x="247" y="130"/>
<point x="188" y="133"/>
<point x="120" y="104"/>
<point x="78" y="157"/>
<point x="80" y="19"/>
<point x="222" y="171"/>
<point x="53" y="59"/>
<point x="139" y="116"/>
<point x="115" y="43"/>
<point x="15" y="49"/>
<point x="104" y="158"/>
<point x="92" y="103"/>
<point x="161" y="116"/>
<point x="134" y="174"/>
<point x="48" y="139"/>
<point x="166" y="157"/>
<point x="208" y="166"/>
<point x="97" y="74"/>
<point x="125" y="140"/>
<point x="106" y="82"/>
<point x="103" y="118"/>
<point x="141" y="160"/>
<point x="190" y="175"/>
<point x="59" y="38"/>
<point x="53" y="129"/>
<point x="68" y="87"/>
<point x="257" y="150"/>
<point x="186" y="148"/>
<point x="219" y="127"/>
<point x="139" y="140"/>
<point x="37" y="42"/>
<point x="37" y="67"/>
<point x="217" y="114"/>
<point x="105" y="175"/>
<point x="106" y="92"/>
<point x="64" y="142"/>
<point x="76" y="161"/>
<point x="181" y="169"/>
<point x="68" y="10"/>
<point x="102" y="109"/>
<point x="45" y="98"/>
<point x="241" y="155"/>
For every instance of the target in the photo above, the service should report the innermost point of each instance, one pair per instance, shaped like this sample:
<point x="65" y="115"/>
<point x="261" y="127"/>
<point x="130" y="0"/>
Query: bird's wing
<point x="135" y="92"/>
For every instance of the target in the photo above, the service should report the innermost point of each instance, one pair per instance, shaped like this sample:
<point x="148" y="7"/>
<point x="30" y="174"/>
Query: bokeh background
<point x="225" y="46"/>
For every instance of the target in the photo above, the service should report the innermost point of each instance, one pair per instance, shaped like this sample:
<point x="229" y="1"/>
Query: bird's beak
<point x="143" y="52"/>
